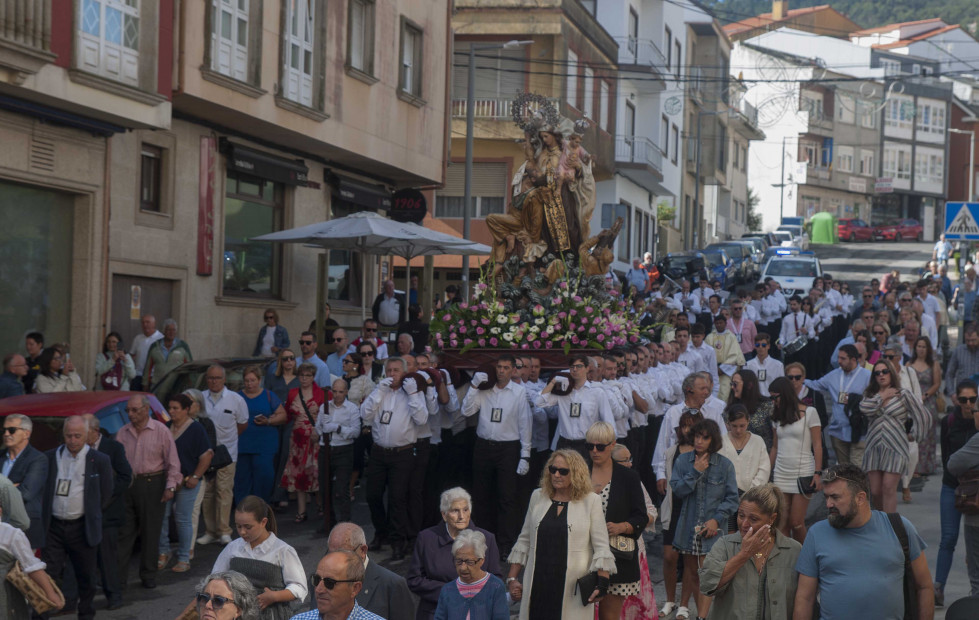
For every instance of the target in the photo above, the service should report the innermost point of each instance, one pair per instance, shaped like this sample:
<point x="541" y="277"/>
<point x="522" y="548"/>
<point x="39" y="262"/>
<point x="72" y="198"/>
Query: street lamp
<point x="972" y="156"/>
<point x="470" y="104"/>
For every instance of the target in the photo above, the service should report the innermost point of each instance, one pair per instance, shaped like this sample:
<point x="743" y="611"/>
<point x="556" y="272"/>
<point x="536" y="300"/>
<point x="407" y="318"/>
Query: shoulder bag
<point x="910" y="591"/>
<point x="967" y="493"/>
<point x="33" y="592"/>
<point x="221" y="458"/>
<point x="806" y="484"/>
<point x="112" y="379"/>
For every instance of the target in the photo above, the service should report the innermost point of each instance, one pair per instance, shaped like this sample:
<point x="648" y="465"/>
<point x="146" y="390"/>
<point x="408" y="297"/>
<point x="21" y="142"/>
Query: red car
<point x="48" y="412"/>
<point x="854" y="229"/>
<point x="900" y="230"/>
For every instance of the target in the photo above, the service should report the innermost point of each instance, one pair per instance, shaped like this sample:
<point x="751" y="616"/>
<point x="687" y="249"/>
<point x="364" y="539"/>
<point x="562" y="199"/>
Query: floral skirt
<point x="302" y="468"/>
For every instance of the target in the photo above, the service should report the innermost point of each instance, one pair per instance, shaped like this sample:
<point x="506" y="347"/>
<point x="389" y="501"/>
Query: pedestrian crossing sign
<point x="961" y="221"/>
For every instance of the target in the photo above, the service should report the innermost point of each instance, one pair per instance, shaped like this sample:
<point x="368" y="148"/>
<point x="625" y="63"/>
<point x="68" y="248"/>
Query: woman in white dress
<point x="798" y="447"/>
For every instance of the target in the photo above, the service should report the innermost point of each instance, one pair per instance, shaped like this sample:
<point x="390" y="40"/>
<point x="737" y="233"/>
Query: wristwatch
<point x="195" y="476"/>
<point x="818" y="472"/>
<point x="509" y="579"/>
<point x="172" y="489"/>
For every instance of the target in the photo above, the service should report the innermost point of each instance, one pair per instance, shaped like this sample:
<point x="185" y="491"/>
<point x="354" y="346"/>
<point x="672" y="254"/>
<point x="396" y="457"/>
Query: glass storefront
<point x="252" y="207"/>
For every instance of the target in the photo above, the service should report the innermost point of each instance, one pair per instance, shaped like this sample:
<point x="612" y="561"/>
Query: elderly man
<point x="404" y="345"/>
<point x="637" y="276"/>
<point x="140" y="348"/>
<point x="165" y="354"/>
<point x="151" y="451"/>
<point x="389" y="307"/>
<point x="338" y="580"/>
<point x="384" y="593"/>
<point x="369" y="333"/>
<point x="79" y="488"/>
<point x="743" y="328"/>
<point x="229" y="413"/>
<point x="334" y="361"/>
<point x="12" y="379"/>
<point x="964" y="360"/>
<point x="27" y="468"/>
<point x="839" y="383"/>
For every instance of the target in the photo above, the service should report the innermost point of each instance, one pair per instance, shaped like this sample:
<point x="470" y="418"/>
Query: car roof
<point x="64" y="404"/>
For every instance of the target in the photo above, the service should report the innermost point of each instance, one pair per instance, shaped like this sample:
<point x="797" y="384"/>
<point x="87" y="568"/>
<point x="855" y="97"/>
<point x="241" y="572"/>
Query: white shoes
<point x="206" y="539"/>
<point x="668" y="608"/>
<point x="225" y="539"/>
<point x="682" y="613"/>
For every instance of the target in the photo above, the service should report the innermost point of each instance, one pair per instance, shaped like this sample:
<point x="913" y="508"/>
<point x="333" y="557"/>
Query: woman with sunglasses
<point x="887" y="407"/>
<point x="924" y="364"/>
<point x="564" y="538"/>
<point x="271" y="337"/>
<point x="798" y="447"/>
<point x="280" y="382"/>
<point x="225" y="596"/>
<point x="956" y="429"/>
<point x="475" y="593"/>
<point x="57" y="373"/>
<point x="880" y="332"/>
<point x="625" y="516"/>
<point x="301" y="474"/>
<point x="745" y="391"/>
<point x="359" y="384"/>
<point x="706" y="482"/>
<point x="670" y="514"/>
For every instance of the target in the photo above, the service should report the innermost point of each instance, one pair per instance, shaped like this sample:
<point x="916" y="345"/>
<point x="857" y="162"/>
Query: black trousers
<point x="325" y="477"/>
<point x="342" y="466"/>
<point x="109" y="565"/>
<point x="416" y="482"/>
<point x="143" y="520"/>
<point x="645" y="467"/>
<point x="495" y="489"/>
<point x="66" y="542"/>
<point x="455" y="460"/>
<point x="390" y="470"/>
<point x="433" y="492"/>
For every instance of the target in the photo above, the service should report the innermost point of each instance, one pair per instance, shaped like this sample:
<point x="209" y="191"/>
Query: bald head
<point x="346" y="536"/>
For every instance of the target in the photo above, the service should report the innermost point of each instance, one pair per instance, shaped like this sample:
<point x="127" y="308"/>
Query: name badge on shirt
<point x="843" y="398"/>
<point x="575" y="410"/>
<point x="739" y="338"/>
<point x="496" y="415"/>
<point x="684" y="362"/>
<point x="761" y="374"/>
<point x="62" y="488"/>
<point x="718" y="345"/>
<point x="386" y="417"/>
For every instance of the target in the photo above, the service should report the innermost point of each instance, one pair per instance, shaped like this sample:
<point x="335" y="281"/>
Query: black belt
<point x="499" y="443"/>
<point x="75" y="520"/>
<point x="394" y="450"/>
<point x="149" y="476"/>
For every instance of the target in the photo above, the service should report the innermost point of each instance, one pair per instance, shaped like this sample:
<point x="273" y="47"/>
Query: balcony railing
<point x="643" y="52"/>
<point x="26" y="22"/>
<point x="638" y="150"/>
<point x="498" y="108"/>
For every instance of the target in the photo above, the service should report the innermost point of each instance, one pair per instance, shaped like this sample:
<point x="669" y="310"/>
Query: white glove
<point x="523" y="467"/>
<point x="478" y="378"/>
<point x="386" y="383"/>
<point x="561" y="381"/>
<point x="410" y="385"/>
<point x="332" y="427"/>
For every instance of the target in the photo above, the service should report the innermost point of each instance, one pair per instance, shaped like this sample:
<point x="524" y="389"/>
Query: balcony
<point x="492" y="116"/>
<point x="641" y="56"/>
<point x="695" y="83"/>
<point x="495" y="109"/>
<point x="25" y="36"/>
<point x="640" y="160"/>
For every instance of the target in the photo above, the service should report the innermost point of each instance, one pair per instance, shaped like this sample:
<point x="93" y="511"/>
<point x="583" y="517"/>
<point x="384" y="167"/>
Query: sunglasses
<point x="967" y="399"/>
<point x="217" y="602"/>
<point x="598" y="447"/>
<point x="370" y="329"/>
<point x="831" y="475"/>
<point x="269" y="317"/>
<point x="564" y="471"/>
<point x="306" y="341"/>
<point x="794" y="377"/>
<point x="367" y="353"/>
<point x="881" y="373"/>
<point x="880" y="333"/>
<point x="328" y="582"/>
<point x="10" y="430"/>
<point x="761" y="345"/>
<point x="288" y="358"/>
<point x="890" y="357"/>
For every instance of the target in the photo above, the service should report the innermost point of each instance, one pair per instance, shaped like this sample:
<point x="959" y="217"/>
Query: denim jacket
<point x="711" y="494"/>
<point x="281" y="337"/>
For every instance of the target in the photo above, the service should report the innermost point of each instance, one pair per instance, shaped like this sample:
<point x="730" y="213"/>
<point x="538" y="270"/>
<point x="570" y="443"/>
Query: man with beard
<point x="855" y="559"/>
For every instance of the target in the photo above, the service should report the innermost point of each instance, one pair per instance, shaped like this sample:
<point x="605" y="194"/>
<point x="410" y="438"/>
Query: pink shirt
<point x="151" y="450"/>
<point x="747" y="330"/>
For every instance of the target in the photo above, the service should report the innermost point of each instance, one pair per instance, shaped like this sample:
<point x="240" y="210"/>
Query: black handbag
<point x="806" y="485"/>
<point x="220" y="460"/>
<point x="586" y="585"/>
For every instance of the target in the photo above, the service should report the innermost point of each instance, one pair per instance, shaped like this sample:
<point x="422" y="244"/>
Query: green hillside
<point x="867" y="13"/>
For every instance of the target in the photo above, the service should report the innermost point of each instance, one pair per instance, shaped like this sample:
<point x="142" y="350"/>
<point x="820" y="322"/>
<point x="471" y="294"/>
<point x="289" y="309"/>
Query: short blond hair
<point x="579" y="475"/>
<point x="600" y="432"/>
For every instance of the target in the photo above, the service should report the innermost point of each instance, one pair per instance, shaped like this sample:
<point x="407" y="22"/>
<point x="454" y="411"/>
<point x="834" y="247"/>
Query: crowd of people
<point x="518" y="482"/>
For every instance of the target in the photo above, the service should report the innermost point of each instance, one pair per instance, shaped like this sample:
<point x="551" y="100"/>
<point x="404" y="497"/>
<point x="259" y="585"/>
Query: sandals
<point x="301" y="517"/>
<point x="668" y="609"/>
<point x="906" y="496"/>
<point x="682" y="613"/>
<point x="181" y="567"/>
<point x="162" y="561"/>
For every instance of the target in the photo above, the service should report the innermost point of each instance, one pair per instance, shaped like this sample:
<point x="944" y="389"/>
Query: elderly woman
<point x="751" y="573"/>
<point x="564" y="538"/>
<point x="301" y="473"/>
<point x="625" y="516"/>
<point x="271" y="337"/>
<point x="432" y="565"/>
<point x="226" y="596"/>
<point x="475" y="594"/>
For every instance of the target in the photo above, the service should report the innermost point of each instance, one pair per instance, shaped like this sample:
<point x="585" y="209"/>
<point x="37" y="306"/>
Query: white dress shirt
<point x="14" y="540"/>
<point x="710" y="360"/>
<point x="449" y="412"/>
<point x="389" y="310"/>
<point x="140" y="348"/>
<point x="504" y="414"/>
<point x="540" y="415"/>
<point x="616" y="390"/>
<point x="274" y="551"/>
<point x="790" y="332"/>
<point x="71" y="480"/>
<point x="751" y="312"/>
<point x="693" y="360"/>
<point x="767" y="371"/>
<point x="393" y="415"/>
<point x="690" y="304"/>
<point x="227" y="410"/>
<point x="342" y="421"/>
<point x="577" y="411"/>
<point x="635" y="384"/>
<point x="667" y="432"/>
<point x="931" y="305"/>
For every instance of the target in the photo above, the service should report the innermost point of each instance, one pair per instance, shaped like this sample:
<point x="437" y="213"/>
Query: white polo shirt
<point x="227" y="410"/>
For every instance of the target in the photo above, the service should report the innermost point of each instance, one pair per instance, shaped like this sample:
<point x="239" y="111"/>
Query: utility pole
<point x="781" y="186"/>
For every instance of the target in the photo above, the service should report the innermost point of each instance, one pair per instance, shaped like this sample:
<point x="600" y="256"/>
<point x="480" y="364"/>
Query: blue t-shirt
<point x="260" y="439"/>
<point x="860" y="570"/>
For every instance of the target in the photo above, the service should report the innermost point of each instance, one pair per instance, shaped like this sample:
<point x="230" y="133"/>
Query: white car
<point x="800" y="238"/>
<point x="793" y="273"/>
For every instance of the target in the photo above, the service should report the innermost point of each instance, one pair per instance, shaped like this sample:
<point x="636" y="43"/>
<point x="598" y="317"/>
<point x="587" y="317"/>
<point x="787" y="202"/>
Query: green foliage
<point x="753" y="219"/>
<point x="867" y="13"/>
<point x="665" y="212"/>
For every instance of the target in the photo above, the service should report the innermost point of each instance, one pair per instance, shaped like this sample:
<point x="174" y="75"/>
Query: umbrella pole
<point x="407" y="285"/>
<point x="363" y="289"/>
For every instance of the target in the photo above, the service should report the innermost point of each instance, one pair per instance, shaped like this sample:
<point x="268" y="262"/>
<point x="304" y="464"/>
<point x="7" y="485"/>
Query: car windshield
<point x="733" y="249"/>
<point x="782" y="235"/>
<point x="791" y="268"/>
<point x="678" y="262"/>
<point x="714" y="259"/>
<point x="792" y="230"/>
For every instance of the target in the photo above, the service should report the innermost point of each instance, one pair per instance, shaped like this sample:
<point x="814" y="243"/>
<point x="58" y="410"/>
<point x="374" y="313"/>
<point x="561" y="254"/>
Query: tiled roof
<point x="920" y="37"/>
<point x="766" y="18"/>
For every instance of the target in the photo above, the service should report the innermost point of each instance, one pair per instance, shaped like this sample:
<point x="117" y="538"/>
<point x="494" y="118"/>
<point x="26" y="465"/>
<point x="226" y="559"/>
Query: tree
<point x="753" y="219"/>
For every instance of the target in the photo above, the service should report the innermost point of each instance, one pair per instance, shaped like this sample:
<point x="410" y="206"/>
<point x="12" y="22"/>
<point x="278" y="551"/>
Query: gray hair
<point x="687" y="384"/>
<point x="168" y="323"/>
<point x="406" y="337"/>
<point x="346" y="536"/>
<point x="76" y="417"/>
<point x="453" y="495"/>
<point x="242" y="592"/>
<point x="354" y="568"/>
<point x="22" y="421"/>
<point x="395" y="359"/>
<point x="470" y="539"/>
<point x="895" y="348"/>
<point x="706" y="376"/>
<point x="219" y="367"/>
<point x="198" y="397"/>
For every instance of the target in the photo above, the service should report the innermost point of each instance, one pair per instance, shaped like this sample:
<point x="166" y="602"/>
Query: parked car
<point x="690" y="265"/>
<point x="780" y="251"/>
<point x="784" y="238"/>
<point x="758" y="246"/>
<point x="900" y="230"/>
<point x="764" y="240"/>
<point x="191" y="375"/>
<point x="48" y="412"/>
<point x="793" y="273"/>
<point x="741" y="253"/>
<point x="721" y="267"/>
<point x="767" y="236"/>
<point x="854" y="229"/>
<point x="800" y="238"/>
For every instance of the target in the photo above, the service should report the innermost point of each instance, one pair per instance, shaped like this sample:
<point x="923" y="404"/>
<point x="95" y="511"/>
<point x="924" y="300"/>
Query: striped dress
<point x="887" y="441"/>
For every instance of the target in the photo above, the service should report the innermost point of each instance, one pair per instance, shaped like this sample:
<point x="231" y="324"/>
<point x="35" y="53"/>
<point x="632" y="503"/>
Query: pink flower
<point x="453" y="343"/>
<point x="462" y="329"/>
<point x="574" y="338"/>
<point x="562" y="285"/>
<point x="525" y="346"/>
<point x="467" y="342"/>
<point x="562" y="315"/>
<point x="576" y="298"/>
<point x="589" y="309"/>
<point x="473" y="322"/>
<point x="494" y="342"/>
<point x="548" y="344"/>
<point x="447" y="317"/>
<point x="556" y="301"/>
<point x="463" y="306"/>
<point x="600" y="337"/>
<point x="482" y="342"/>
<point x="573" y="312"/>
<point x="480" y="331"/>
<point x="485" y="321"/>
<point x="537" y="344"/>
<point x="633" y="339"/>
<point x="571" y="326"/>
<point x="531" y="336"/>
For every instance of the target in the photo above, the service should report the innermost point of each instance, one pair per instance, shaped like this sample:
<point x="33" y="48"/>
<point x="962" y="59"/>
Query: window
<point x="898" y="113"/>
<point x="867" y="167"/>
<point x="931" y="118"/>
<point x="572" y="87"/>
<point x="489" y="186"/>
<point x="809" y="153"/>
<point x="411" y="59"/>
<point x="676" y="47"/>
<point x="722" y="148"/>
<point x="846" y="109"/>
<point x="229" y="38"/>
<point x="108" y="39"/>
<point x="737" y="156"/>
<point x="868" y="114"/>
<point x="499" y="76"/>
<point x="668" y="47"/>
<point x="812" y="103"/>
<point x="252" y="207"/>
<point x="744" y="159"/>
<point x="589" y="108"/>
<point x="360" y="36"/>
<point x="897" y="162"/>
<point x="343" y="282"/>
<point x="675" y="134"/>
<point x="298" y="74"/>
<point x="891" y="67"/>
<point x="633" y="31"/>
<point x="844" y="159"/>
<point x="664" y="135"/>
<point x="606" y="104"/>
<point x="150" y="177"/>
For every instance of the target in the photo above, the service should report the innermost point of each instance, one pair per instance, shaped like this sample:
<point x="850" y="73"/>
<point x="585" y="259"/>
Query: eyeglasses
<point x="10" y="430"/>
<point x="968" y="399"/>
<point x="598" y="447"/>
<point x="881" y="373"/>
<point x="890" y="357"/>
<point x="328" y="582"/>
<point x="367" y="353"/>
<point x="217" y="602"/>
<point x="880" y="333"/>
<point x="564" y="471"/>
<point x="269" y="316"/>
<point x="761" y="345"/>
<point x="306" y="375"/>
<point x="370" y="329"/>
<point x="794" y="377"/>
<point x="469" y="563"/>
<point x="628" y="460"/>
<point x="306" y="341"/>
<point x="349" y="362"/>
<point x="288" y="358"/>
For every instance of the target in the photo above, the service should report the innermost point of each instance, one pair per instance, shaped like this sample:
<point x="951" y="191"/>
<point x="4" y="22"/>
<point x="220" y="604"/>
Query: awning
<point x="373" y="197"/>
<point x="59" y="117"/>
<point x="265" y="165"/>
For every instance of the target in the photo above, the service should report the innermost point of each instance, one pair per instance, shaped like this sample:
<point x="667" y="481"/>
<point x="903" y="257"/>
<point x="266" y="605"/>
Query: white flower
<point x="501" y="319"/>
<point x="494" y="330"/>
<point x="534" y="329"/>
<point x="508" y="337"/>
<point x="539" y="321"/>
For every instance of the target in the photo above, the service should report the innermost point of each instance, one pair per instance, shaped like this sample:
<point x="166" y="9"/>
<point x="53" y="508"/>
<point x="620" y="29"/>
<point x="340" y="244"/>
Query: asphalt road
<point x="853" y="262"/>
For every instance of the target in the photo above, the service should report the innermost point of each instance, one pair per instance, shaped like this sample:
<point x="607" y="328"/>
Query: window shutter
<point x="489" y="179"/>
